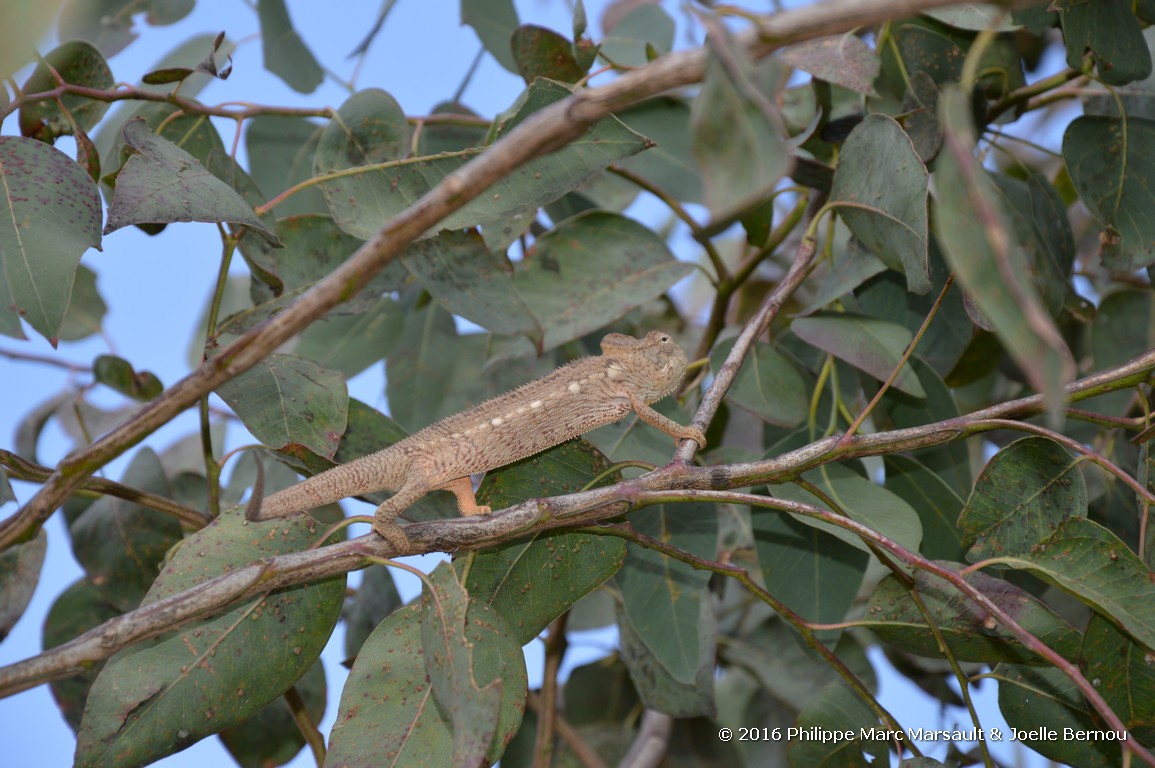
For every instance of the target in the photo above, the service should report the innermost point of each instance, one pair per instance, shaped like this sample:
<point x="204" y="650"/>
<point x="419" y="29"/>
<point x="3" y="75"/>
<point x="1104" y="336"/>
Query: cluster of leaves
<point x="1026" y="270"/>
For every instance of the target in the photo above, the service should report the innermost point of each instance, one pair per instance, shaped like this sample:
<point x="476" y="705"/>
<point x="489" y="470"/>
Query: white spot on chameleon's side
<point x="615" y="372"/>
<point x="456" y="436"/>
<point x="535" y="404"/>
<point x="574" y="387"/>
<point x="496" y="421"/>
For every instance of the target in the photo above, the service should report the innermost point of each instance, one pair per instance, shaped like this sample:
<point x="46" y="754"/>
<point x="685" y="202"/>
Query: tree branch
<point x="543" y="132"/>
<point x="675" y="482"/>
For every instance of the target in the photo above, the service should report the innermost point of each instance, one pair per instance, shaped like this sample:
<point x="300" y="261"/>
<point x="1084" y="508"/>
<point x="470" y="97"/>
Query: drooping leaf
<point x="1111" y="164"/>
<point x="387" y="706"/>
<point x="49" y="216"/>
<point x="883" y="184"/>
<point x="662" y="597"/>
<point x="988" y="263"/>
<point x="121" y="544"/>
<point x="670" y="165"/>
<point x="1124" y="328"/>
<point x="86" y="308"/>
<point x="376" y="599"/>
<point x="280" y="151"/>
<point x="532" y="581"/>
<point x="272" y="736"/>
<point x="286" y="54"/>
<point x="738" y="133"/>
<point x="20" y="566"/>
<point x="161" y="695"/>
<point x="78" y="608"/>
<point x="288" y="399"/>
<point x="472" y="708"/>
<point x="162" y="183"/>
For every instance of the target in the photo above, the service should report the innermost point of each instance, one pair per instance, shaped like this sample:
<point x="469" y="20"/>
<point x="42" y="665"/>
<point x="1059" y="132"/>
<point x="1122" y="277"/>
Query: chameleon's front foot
<point x="392" y="533"/>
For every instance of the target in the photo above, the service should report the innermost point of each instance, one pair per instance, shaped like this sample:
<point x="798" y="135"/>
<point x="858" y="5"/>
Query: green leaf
<point x="376" y="599"/>
<point x="662" y="600"/>
<point x="388" y="708"/>
<point x="20" y="566"/>
<point x="161" y="695"/>
<point x="280" y="151"/>
<point x="1122" y="672"/>
<point x="661" y="687"/>
<point x="951" y="462"/>
<point x="271" y="736"/>
<point x="77" y="63"/>
<point x="364" y="197"/>
<point x="591" y="270"/>
<point x="118" y="374"/>
<point x="286" y="399"/>
<point x="109" y="23"/>
<point x="838" y="708"/>
<point x="937" y="504"/>
<point x="882" y="184"/>
<point x="436" y="138"/>
<point x="769" y="384"/>
<point x="813" y="573"/>
<point x="120" y="544"/>
<point x="541" y="52"/>
<point x="77" y="609"/>
<point x="645" y="27"/>
<point x="1089" y="562"/>
<point x="471" y="281"/>
<point x="970" y="632"/>
<point x="49" y="216"/>
<point x="864" y="501"/>
<point x="1039" y="222"/>
<point x="163" y="183"/>
<point x="993" y="269"/>
<point x="1112" y="34"/>
<point x="1111" y="164"/>
<point x="871" y="345"/>
<point x="532" y="581"/>
<point x="670" y="165"/>
<point x="738" y="133"/>
<point x="286" y="55"/>
<point x="1024" y="493"/>
<point x="1042" y="702"/>
<point x="351" y="343"/>
<point x="370" y="127"/>
<point x="24" y="27"/>
<point x="1124" y="328"/>
<point x="842" y="60"/>
<point x="86" y="308"/>
<point x="473" y="709"/>
<point x="494" y="22"/>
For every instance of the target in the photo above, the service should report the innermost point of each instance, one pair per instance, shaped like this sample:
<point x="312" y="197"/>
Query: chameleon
<point x="589" y="392"/>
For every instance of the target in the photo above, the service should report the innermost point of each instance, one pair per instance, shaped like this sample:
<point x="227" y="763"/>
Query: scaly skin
<point x="629" y="375"/>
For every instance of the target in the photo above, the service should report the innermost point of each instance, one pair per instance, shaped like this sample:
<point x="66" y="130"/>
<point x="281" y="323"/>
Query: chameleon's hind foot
<point x="392" y="533"/>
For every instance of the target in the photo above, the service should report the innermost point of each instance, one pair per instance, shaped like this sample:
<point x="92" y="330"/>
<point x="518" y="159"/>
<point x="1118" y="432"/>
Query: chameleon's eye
<point x="665" y="339"/>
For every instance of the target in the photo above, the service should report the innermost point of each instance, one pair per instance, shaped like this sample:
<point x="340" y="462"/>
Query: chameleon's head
<point x="654" y="365"/>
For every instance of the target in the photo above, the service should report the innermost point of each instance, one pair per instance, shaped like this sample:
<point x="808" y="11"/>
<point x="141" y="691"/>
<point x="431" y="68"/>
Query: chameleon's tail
<point x="332" y="485"/>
